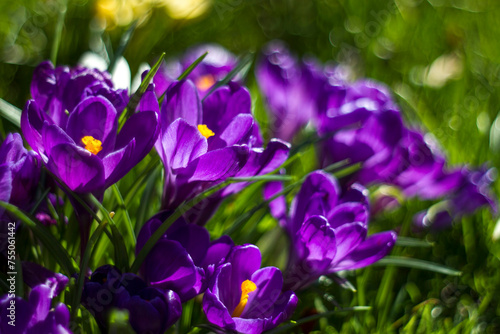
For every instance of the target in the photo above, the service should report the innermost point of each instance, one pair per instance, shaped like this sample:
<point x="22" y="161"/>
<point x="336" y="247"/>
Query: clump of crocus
<point x="214" y="67"/>
<point x="245" y="298"/>
<point x="291" y="89"/>
<point x="72" y="123"/>
<point x="201" y="145"/>
<point x="191" y="261"/>
<point x="328" y="230"/>
<point x="34" y="315"/>
<point x="150" y="310"/>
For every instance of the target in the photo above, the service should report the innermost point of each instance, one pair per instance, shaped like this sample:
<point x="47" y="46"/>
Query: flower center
<point x="205" y="131"/>
<point x="92" y="145"/>
<point x="246" y="287"/>
<point x="205" y="82"/>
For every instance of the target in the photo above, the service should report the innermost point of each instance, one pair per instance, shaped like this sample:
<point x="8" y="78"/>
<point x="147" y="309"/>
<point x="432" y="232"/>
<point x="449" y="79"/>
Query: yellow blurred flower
<point x="123" y="12"/>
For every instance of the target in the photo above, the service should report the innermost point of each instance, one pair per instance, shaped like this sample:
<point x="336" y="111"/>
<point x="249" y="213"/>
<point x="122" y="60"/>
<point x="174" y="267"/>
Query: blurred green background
<point x="441" y="58"/>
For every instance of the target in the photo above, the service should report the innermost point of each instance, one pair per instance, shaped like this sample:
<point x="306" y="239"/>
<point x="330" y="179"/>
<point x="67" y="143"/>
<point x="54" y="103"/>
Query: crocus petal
<point x="369" y="251"/>
<point x="269" y="282"/>
<point x="250" y="326"/>
<point x="5" y="185"/>
<point x="180" y="144"/>
<point x="317" y="196"/>
<point x="195" y="239"/>
<point x="261" y="162"/>
<point x="175" y="271"/>
<point x="215" y="311"/>
<point x="43" y="84"/>
<point x="236" y="132"/>
<point x="113" y="161"/>
<point x="53" y="135"/>
<point x="215" y="165"/>
<point x="244" y="260"/>
<point x="219" y="249"/>
<point x="348" y="237"/>
<point x="34" y="274"/>
<point x="283" y="308"/>
<point x="277" y="206"/>
<point x="347" y="213"/>
<point x="40" y="297"/>
<point x="315" y="239"/>
<point x="181" y="101"/>
<point x="32" y="120"/>
<point x="78" y="168"/>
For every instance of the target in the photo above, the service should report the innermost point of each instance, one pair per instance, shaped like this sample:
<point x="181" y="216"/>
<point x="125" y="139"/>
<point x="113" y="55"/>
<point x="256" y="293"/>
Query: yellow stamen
<point x="205" y="82"/>
<point x="205" y="131"/>
<point x="92" y="145"/>
<point x="246" y="287"/>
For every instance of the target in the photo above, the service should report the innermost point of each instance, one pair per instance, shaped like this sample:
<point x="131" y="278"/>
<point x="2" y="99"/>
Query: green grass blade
<point x="246" y="60"/>
<point x="407" y="262"/>
<point x="121" y="255"/>
<point x="48" y="240"/>
<point x="126" y="216"/>
<point x="124" y="41"/>
<point x="10" y="112"/>
<point x="58" y="32"/>
<point x="413" y="242"/>
<point x="85" y="263"/>
<point x="185" y="73"/>
<point x="136" y="97"/>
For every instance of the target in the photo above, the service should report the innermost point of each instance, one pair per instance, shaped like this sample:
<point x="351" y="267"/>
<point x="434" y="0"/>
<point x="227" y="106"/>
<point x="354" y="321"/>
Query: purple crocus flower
<point x="327" y="230"/>
<point x="367" y="128"/>
<point x="151" y="310"/>
<point x="245" y="298"/>
<point x="191" y="261"/>
<point x="471" y="193"/>
<point x="214" y="67"/>
<point x="202" y="145"/>
<point x="72" y="123"/>
<point x="290" y="88"/>
<point x="35" y="315"/>
<point x="19" y="172"/>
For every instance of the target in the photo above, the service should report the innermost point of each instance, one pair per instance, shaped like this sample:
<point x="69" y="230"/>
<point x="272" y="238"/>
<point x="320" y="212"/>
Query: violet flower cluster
<point x="360" y="122"/>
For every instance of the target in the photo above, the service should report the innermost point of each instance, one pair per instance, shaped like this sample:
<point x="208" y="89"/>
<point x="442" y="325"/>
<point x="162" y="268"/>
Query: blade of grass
<point x="121" y="254"/>
<point x="10" y="112"/>
<point x="48" y="240"/>
<point x="185" y="73"/>
<point x="85" y="263"/>
<point x="245" y="61"/>
<point x="136" y="97"/>
<point x="58" y="32"/>
<point x="401" y="261"/>
<point x="126" y="215"/>
<point x="412" y="242"/>
<point x="288" y="327"/>
<point x="124" y="41"/>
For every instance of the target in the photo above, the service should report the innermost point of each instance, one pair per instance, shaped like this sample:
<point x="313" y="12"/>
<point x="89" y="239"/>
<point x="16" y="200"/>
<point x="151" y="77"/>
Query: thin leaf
<point x="288" y="327"/>
<point x="185" y="73"/>
<point x="85" y="263"/>
<point x="124" y="41"/>
<point x="260" y="178"/>
<point x="58" y="32"/>
<point x="122" y="260"/>
<point x="412" y="242"/>
<point x="245" y="61"/>
<point x="408" y="262"/>
<point x="10" y="112"/>
<point x="48" y="240"/>
<point x="123" y="209"/>
<point x="136" y="97"/>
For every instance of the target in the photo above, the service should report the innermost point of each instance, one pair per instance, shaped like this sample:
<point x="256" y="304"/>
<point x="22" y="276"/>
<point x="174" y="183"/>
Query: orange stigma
<point x="246" y="287"/>
<point x="203" y="83"/>
<point x="92" y="145"/>
<point x="205" y="131"/>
